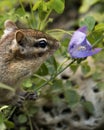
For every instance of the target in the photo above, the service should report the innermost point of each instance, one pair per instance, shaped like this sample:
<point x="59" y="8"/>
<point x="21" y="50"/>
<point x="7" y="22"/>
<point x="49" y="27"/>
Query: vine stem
<point x="20" y="1"/>
<point x="55" y="75"/>
<point x="44" y="21"/>
<point x="32" y="13"/>
<point x="61" y="30"/>
<point x="97" y="41"/>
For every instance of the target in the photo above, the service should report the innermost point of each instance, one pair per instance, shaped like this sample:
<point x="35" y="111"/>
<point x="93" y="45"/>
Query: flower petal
<point x="84" y="53"/>
<point x="77" y="38"/>
<point x="86" y="44"/>
<point x="83" y="29"/>
<point x="96" y="50"/>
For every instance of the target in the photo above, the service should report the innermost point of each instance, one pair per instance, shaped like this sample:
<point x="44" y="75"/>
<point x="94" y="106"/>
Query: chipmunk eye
<point x="42" y="43"/>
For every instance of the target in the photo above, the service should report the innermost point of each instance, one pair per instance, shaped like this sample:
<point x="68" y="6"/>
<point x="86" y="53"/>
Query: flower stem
<point x="40" y="77"/>
<point x="65" y="67"/>
<point x="55" y="75"/>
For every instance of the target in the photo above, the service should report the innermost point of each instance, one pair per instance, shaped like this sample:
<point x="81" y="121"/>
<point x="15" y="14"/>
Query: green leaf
<point x="23" y="128"/>
<point x="32" y="111"/>
<point x="42" y="15"/>
<point x="68" y="84"/>
<point x="85" y="68"/>
<point x="20" y="12"/>
<point x="45" y="7"/>
<point x="27" y="83"/>
<point x="96" y="38"/>
<point x="2" y="125"/>
<point x="88" y="106"/>
<point x="65" y="42"/>
<point x="72" y="97"/>
<point x="38" y="82"/>
<point x="57" y="84"/>
<point x="9" y="124"/>
<point x="22" y="118"/>
<point x="1" y="118"/>
<point x="36" y="5"/>
<point x="74" y="67"/>
<point x="99" y="27"/>
<point x="86" y="4"/>
<point x="57" y="5"/>
<point x="89" y="21"/>
<point x="80" y="60"/>
<point x="97" y="76"/>
<point x="52" y="65"/>
<point x="43" y="70"/>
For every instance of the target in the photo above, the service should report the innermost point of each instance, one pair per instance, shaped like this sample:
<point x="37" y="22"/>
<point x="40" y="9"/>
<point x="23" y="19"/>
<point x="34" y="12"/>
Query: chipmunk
<point x="22" y="51"/>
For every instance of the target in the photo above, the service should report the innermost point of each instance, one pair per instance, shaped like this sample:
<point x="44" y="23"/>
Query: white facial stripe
<point x="40" y="50"/>
<point x="40" y="39"/>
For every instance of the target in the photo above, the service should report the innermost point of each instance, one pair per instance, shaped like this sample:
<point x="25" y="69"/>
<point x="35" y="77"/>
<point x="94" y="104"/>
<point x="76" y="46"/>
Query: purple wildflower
<point x="79" y="46"/>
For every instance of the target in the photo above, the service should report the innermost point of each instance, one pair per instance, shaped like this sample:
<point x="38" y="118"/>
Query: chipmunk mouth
<point x="57" y="45"/>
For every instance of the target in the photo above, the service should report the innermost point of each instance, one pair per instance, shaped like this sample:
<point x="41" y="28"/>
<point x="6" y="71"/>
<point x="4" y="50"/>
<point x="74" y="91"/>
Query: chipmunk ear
<point x="19" y="37"/>
<point x="17" y="42"/>
<point x="9" y="26"/>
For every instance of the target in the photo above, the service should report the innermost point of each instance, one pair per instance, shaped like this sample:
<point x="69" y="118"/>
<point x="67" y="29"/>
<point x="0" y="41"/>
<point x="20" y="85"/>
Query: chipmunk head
<point x="28" y="43"/>
<point x="22" y="51"/>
